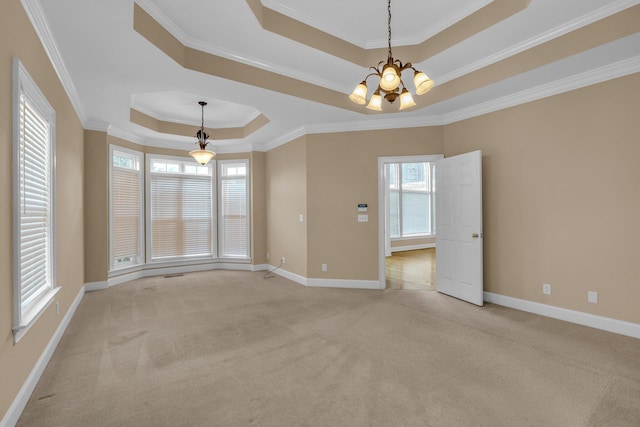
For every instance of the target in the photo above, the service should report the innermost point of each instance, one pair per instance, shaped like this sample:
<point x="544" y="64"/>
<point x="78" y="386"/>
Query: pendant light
<point x="202" y="155"/>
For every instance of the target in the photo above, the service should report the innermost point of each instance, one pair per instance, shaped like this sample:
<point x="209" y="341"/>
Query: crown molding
<point x="96" y="125"/>
<point x="128" y="136"/>
<point x="584" y="20"/>
<point x="40" y="24"/>
<point x="193" y="43"/>
<point x="361" y="42"/>
<point x="577" y="81"/>
<point x="281" y="140"/>
<point x="378" y="124"/>
<point x="165" y="118"/>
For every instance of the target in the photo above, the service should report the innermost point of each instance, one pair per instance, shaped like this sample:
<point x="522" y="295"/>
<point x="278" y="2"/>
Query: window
<point x="234" y="202"/>
<point x="180" y="209"/>
<point x="34" y="201"/>
<point x="125" y="196"/>
<point x="411" y="195"/>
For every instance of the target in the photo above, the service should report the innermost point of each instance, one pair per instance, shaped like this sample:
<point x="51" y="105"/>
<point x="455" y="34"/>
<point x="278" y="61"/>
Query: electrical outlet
<point x="592" y="297"/>
<point x="546" y="289"/>
<point x="324" y="267"/>
<point x="282" y="260"/>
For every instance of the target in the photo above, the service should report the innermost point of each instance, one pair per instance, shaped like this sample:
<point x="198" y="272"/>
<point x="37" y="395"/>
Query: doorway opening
<point x="406" y="200"/>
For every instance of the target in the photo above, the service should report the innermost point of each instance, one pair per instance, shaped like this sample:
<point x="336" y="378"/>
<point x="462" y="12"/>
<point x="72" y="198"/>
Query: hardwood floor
<point x="412" y="270"/>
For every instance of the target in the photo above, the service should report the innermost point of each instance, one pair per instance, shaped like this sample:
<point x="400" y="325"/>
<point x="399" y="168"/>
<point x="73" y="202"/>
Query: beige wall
<point x="561" y="198"/>
<point x="286" y="199"/>
<point x="96" y="206"/>
<point x="258" y="208"/>
<point x="19" y="40"/>
<point x="342" y="171"/>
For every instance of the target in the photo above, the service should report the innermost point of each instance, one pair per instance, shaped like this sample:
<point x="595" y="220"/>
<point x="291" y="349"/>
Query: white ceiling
<point x="108" y="68"/>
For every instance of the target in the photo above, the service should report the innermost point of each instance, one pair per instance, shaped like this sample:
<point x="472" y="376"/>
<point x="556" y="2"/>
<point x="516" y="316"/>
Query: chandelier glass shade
<point x="202" y="155"/>
<point x="390" y="81"/>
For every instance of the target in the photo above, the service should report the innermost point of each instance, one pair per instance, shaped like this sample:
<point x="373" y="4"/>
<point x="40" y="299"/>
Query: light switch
<point x="301" y="218"/>
<point x="363" y="218"/>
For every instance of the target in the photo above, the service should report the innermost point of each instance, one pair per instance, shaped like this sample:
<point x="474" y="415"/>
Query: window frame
<point x="139" y="156"/>
<point x="184" y="161"/>
<point x="431" y="162"/>
<point x="25" y="86"/>
<point x="219" y="220"/>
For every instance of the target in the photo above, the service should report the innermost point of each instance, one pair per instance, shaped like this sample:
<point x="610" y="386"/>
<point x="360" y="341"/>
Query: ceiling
<point x="294" y="62"/>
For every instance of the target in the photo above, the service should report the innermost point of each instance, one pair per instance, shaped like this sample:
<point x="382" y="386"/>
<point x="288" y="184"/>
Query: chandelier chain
<point x="389" y="26"/>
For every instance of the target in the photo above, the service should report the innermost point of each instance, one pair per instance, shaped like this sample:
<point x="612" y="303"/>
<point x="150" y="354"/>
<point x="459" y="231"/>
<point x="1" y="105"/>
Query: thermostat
<point x="362" y="207"/>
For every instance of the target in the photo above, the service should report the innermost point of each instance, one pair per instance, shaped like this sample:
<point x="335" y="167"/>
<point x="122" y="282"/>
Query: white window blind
<point x="34" y="201"/>
<point x="126" y="209"/>
<point x="35" y="205"/>
<point x="181" y="198"/>
<point x="234" y="219"/>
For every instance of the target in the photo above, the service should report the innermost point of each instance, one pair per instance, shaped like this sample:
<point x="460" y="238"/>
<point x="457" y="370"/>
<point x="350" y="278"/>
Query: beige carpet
<point x="233" y="349"/>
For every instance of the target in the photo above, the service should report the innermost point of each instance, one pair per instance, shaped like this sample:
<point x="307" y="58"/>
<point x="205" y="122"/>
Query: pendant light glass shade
<point x="390" y="78"/>
<point x="422" y="82"/>
<point x="406" y="100"/>
<point x="202" y="156"/>
<point x="359" y="95"/>
<point x="375" y="103"/>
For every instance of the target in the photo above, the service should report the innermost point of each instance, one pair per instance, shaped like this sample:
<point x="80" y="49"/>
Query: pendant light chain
<point x="202" y="126"/>
<point x="389" y="25"/>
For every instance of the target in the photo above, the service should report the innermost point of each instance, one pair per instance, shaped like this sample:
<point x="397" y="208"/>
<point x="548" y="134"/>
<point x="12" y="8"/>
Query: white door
<point x="459" y="227"/>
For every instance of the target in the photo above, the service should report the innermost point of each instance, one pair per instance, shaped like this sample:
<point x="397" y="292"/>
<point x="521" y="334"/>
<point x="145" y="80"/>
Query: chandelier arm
<point x="406" y="66"/>
<point x="377" y="73"/>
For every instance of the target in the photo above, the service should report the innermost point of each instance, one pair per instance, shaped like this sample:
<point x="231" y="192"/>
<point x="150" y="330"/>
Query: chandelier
<point x="390" y="79"/>
<point x="202" y="155"/>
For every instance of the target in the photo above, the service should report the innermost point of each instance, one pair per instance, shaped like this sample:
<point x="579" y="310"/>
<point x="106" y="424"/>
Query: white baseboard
<point x="259" y="267"/>
<point x="15" y="410"/>
<point x="344" y="283"/>
<point x="150" y="271"/>
<point x="412" y="247"/>
<point x="573" y="316"/>
<point x="95" y="286"/>
<point x="289" y="275"/>
<point x="327" y="283"/>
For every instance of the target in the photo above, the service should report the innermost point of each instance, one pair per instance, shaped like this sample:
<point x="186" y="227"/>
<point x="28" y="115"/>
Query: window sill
<point x="414" y="237"/>
<point x="177" y="263"/>
<point x="30" y="317"/>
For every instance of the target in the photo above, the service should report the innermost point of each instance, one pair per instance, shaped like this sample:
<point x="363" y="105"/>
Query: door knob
<point x="475" y="235"/>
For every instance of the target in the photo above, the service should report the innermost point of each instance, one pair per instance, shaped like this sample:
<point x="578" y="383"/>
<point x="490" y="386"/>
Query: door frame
<point x="382" y="206"/>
